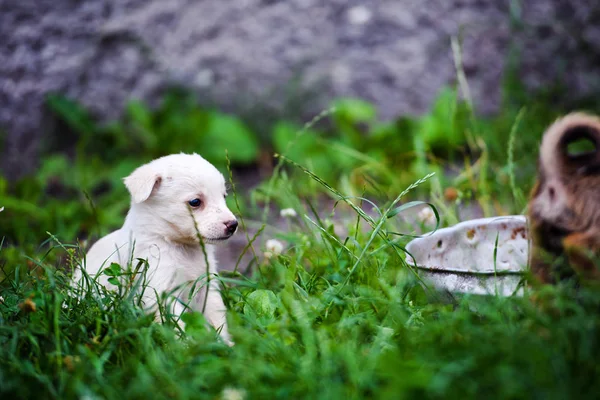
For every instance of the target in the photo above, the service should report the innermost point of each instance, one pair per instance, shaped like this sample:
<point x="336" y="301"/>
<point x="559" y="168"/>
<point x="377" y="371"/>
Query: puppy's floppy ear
<point x="142" y="182"/>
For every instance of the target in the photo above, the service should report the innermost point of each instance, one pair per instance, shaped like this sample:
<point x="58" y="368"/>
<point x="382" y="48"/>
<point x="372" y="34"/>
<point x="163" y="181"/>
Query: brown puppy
<point x="564" y="210"/>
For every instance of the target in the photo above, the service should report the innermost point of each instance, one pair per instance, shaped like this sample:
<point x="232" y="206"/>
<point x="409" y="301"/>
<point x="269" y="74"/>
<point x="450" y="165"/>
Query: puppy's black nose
<point x="231" y="226"/>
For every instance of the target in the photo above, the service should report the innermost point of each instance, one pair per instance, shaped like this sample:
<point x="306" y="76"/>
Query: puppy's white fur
<point x="162" y="228"/>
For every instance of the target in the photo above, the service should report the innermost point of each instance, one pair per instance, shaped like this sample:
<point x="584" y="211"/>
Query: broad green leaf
<point x="229" y="133"/>
<point x="113" y="280"/>
<point x="355" y="110"/>
<point x="72" y="113"/>
<point x="261" y="303"/>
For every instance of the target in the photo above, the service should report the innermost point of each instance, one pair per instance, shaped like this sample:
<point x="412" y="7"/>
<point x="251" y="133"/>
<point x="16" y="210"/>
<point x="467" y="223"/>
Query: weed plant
<point x="329" y="317"/>
<point x="338" y="313"/>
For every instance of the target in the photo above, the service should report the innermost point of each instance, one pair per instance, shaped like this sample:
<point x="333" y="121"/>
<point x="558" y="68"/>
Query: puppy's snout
<point x="230" y="227"/>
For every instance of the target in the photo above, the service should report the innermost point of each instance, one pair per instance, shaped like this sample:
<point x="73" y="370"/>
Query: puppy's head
<point x="181" y="195"/>
<point x="568" y="188"/>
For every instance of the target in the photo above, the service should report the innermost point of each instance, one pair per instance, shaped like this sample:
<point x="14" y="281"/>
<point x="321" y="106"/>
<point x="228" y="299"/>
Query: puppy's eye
<point x="195" y="203"/>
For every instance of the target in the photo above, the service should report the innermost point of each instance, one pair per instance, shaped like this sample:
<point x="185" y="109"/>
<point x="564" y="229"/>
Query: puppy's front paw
<point x="226" y="337"/>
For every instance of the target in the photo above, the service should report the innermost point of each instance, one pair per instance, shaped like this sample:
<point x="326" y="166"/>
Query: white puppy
<point x="173" y="199"/>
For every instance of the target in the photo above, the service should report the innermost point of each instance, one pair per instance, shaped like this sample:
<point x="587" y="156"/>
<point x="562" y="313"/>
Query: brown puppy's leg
<point x="583" y="252"/>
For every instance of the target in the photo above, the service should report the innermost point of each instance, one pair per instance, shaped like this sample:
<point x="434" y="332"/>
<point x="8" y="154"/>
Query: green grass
<point x="328" y="318"/>
<point x="335" y="315"/>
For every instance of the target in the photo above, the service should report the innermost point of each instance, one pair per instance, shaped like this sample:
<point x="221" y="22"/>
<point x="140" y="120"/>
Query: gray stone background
<point x="395" y="53"/>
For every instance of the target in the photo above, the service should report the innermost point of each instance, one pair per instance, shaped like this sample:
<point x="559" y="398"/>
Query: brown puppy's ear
<point x="572" y="145"/>
<point x="580" y="146"/>
<point x="142" y="182"/>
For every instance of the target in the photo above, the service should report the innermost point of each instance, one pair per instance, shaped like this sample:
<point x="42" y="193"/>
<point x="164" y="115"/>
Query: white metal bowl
<point x="480" y="256"/>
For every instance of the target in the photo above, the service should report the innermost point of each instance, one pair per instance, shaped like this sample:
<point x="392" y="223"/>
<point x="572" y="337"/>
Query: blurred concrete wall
<point x="395" y="53"/>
